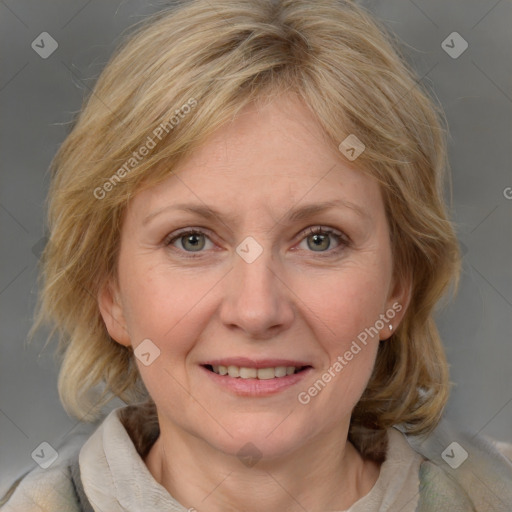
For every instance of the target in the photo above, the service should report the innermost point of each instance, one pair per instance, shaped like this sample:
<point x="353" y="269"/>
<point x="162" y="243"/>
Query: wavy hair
<point x="216" y="58"/>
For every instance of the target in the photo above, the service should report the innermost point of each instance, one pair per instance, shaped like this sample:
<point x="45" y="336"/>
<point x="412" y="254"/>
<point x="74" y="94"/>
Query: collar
<point x="115" y="477"/>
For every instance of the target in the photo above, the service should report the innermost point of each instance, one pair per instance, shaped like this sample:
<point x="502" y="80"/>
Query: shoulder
<point x="465" y="471"/>
<point x="438" y="489"/>
<point x="47" y="489"/>
<point x="62" y="486"/>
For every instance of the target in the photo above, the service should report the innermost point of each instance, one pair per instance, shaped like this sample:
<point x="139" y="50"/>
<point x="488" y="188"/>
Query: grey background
<point x="40" y="96"/>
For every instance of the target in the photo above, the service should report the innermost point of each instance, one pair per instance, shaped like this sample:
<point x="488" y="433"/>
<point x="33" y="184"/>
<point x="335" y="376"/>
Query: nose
<point x="256" y="297"/>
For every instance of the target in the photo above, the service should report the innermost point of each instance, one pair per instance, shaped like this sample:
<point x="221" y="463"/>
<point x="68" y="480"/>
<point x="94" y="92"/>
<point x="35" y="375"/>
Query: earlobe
<point x="112" y="313"/>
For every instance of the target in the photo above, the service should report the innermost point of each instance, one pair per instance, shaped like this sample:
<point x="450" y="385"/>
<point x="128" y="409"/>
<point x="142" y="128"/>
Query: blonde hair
<point x="216" y="58"/>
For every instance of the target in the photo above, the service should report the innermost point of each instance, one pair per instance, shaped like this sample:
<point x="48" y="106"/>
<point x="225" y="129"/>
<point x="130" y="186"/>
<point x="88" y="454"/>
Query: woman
<point x="287" y="359"/>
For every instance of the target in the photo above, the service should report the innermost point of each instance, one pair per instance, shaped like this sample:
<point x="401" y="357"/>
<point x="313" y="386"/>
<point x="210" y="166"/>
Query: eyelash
<point x="343" y="240"/>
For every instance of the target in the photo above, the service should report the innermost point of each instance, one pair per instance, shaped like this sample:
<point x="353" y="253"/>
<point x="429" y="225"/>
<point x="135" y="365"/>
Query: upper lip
<point x="247" y="362"/>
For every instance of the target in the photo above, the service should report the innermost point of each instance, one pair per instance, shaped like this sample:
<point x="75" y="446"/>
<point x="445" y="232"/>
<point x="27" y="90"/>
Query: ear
<point x="397" y="304"/>
<point x="112" y="312"/>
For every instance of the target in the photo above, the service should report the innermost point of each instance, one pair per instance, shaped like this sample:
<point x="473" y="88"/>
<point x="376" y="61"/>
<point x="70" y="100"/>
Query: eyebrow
<point x="294" y="215"/>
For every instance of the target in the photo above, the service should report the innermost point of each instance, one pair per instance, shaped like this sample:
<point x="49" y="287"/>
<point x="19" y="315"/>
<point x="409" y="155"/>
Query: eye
<point x="318" y="238"/>
<point x="192" y="240"/>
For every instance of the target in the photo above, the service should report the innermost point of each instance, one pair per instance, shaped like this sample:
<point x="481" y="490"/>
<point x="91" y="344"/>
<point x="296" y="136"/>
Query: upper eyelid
<point x="328" y="230"/>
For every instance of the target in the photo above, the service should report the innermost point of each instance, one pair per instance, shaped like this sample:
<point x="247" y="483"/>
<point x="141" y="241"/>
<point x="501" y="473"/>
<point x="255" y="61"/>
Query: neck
<point x="323" y="474"/>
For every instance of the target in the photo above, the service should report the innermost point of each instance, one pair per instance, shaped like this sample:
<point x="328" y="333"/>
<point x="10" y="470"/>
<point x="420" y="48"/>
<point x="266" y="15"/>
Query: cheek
<point x="345" y="310"/>
<point x="158" y="302"/>
<point x="164" y="306"/>
<point x="167" y="305"/>
<point x="346" y="303"/>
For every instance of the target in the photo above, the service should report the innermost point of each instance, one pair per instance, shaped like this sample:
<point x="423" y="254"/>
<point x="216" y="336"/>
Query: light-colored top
<point x="418" y="475"/>
<point x="115" y="477"/>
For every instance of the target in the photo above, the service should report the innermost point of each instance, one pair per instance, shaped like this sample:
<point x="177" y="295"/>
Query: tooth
<point x="233" y="371"/>
<point x="248" y="373"/>
<point x="280" y="371"/>
<point x="254" y="373"/>
<point x="266" y="373"/>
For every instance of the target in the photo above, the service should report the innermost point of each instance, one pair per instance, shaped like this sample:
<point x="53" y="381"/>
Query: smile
<point x="261" y="379"/>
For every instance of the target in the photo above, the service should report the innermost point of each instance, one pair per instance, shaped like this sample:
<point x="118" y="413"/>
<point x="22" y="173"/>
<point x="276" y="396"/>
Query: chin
<point x="268" y="439"/>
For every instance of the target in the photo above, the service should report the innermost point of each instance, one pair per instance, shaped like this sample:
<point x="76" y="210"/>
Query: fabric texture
<point x="83" y="501"/>
<point x="51" y="489"/>
<point x="105" y="472"/>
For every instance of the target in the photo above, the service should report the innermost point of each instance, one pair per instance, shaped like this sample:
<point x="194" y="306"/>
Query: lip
<point x="252" y="363"/>
<point x="256" y="387"/>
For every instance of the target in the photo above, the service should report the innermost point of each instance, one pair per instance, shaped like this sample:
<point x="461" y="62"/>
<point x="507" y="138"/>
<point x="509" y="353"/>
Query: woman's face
<point x="254" y="289"/>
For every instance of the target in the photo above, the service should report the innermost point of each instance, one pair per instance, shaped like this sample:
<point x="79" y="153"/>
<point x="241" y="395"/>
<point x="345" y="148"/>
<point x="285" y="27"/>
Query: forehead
<point x="282" y="131"/>
<point x="273" y="155"/>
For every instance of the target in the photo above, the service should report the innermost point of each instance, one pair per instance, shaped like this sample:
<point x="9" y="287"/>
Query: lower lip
<point x="256" y="387"/>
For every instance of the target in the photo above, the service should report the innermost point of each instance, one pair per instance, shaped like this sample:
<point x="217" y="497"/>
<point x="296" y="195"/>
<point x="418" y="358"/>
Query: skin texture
<point x="297" y="300"/>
